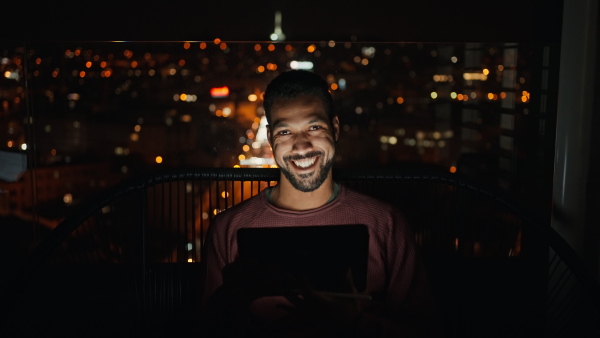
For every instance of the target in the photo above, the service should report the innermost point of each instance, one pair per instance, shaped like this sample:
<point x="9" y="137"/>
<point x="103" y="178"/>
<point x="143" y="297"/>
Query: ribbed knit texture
<point x="395" y="276"/>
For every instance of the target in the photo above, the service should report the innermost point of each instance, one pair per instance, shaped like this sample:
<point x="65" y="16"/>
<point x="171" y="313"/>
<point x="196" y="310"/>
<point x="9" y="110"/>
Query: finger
<point x="348" y="282"/>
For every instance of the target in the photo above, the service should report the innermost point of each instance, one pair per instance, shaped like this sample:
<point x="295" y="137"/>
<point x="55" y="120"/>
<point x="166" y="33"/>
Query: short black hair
<point x="295" y="83"/>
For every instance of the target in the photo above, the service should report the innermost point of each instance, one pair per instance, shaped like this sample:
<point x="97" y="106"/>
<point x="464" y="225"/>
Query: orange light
<point x="202" y="45"/>
<point x="219" y="91"/>
<point x="158" y="159"/>
<point x="334" y="86"/>
<point x="217" y="41"/>
<point x="82" y="74"/>
<point x="271" y="47"/>
<point x="186" y="45"/>
<point x="453" y="169"/>
<point x="257" y="47"/>
<point x="400" y="100"/>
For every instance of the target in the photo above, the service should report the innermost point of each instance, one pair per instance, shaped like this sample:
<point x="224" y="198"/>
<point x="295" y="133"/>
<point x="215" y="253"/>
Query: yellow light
<point x="260" y="69"/>
<point x="224" y="194"/>
<point x="68" y="198"/>
<point x="490" y="96"/>
<point x="242" y="157"/>
<point x="453" y="95"/>
<point x="524" y="98"/>
<point x="190" y="260"/>
<point x="434" y="95"/>
<point x="252" y="97"/>
<point x="158" y="159"/>
<point x="246" y="147"/>
<point x="485" y="71"/>
<point x="182" y="97"/>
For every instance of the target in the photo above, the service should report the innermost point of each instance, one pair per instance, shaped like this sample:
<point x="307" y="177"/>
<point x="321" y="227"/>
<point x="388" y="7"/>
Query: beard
<point x="306" y="182"/>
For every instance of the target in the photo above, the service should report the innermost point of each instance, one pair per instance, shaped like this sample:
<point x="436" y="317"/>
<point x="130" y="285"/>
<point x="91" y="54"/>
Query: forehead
<point x="303" y="106"/>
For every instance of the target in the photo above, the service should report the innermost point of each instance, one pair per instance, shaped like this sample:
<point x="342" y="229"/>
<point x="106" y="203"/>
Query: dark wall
<point x="375" y="20"/>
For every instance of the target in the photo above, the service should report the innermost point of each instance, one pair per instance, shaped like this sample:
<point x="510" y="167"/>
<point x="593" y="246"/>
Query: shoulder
<point x="357" y="199"/>
<point x="243" y="211"/>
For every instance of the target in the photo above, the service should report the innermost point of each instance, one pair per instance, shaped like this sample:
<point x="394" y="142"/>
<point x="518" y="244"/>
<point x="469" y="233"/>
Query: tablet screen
<point x="322" y="254"/>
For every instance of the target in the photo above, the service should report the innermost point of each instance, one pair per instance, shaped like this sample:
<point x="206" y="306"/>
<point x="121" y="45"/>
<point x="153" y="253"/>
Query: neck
<point x="286" y="196"/>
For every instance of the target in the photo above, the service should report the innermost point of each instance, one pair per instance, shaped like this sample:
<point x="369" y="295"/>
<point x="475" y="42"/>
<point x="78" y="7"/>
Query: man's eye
<point x="315" y="127"/>
<point x="283" y="132"/>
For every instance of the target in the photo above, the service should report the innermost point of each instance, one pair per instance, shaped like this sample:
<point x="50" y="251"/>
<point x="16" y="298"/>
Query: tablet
<point x="322" y="254"/>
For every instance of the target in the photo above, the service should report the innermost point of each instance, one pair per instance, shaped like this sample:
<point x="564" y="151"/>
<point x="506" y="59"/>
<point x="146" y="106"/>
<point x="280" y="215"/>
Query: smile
<point x="305" y="163"/>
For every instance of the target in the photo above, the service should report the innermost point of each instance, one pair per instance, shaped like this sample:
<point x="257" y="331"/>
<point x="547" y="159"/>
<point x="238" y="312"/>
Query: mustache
<point x="301" y="157"/>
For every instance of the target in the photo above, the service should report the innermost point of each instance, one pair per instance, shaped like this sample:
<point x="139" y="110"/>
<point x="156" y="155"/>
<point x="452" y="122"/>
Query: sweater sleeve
<point x="214" y="258"/>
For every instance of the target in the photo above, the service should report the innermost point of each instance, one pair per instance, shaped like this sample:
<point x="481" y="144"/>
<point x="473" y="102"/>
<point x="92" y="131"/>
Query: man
<point x="303" y="130"/>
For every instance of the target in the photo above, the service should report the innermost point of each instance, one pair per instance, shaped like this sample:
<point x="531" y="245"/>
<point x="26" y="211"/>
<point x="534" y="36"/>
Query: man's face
<point x="303" y="141"/>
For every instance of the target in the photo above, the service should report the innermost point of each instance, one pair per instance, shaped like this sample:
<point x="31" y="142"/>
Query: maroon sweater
<point x="395" y="275"/>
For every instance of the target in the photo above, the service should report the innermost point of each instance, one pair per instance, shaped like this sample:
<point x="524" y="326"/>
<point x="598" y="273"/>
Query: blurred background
<point x="501" y="92"/>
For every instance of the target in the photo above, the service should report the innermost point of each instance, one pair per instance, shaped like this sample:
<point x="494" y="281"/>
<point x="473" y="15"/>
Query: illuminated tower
<point x="277" y="34"/>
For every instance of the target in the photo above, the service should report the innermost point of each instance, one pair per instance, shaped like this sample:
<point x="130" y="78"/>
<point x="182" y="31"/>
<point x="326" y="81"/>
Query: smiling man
<point x="239" y="297"/>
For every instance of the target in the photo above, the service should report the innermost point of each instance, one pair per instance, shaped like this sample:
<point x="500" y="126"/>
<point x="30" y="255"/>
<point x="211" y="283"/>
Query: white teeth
<point x="305" y="162"/>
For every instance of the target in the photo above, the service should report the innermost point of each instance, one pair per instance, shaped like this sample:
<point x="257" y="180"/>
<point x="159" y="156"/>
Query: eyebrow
<point x="282" y="123"/>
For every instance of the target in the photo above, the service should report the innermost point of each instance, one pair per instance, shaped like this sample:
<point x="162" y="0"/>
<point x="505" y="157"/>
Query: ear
<point x="336" y="128"/>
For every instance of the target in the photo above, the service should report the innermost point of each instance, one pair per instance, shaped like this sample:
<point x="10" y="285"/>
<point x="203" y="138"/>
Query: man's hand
<point x="315" y="309"/>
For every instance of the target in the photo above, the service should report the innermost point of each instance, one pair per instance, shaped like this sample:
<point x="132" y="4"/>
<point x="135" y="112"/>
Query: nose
<point x="302" y="142"/>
